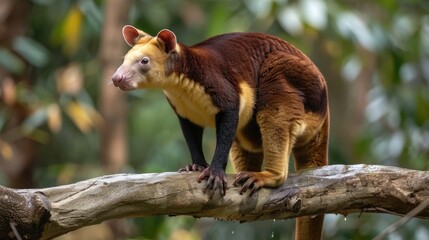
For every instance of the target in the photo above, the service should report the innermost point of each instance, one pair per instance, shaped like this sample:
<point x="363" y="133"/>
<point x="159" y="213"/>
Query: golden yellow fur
<point x="190" y="101"/>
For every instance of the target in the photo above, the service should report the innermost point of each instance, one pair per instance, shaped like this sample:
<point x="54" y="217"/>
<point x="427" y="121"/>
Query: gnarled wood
<point x="339" y="189"/>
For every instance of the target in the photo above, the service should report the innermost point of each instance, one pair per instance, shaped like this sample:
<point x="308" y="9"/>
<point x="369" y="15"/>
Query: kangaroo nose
<point x="117" y="78"/>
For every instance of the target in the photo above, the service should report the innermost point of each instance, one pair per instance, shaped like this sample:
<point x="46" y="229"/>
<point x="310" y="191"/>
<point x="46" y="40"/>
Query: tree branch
<point x="338" y="189"/>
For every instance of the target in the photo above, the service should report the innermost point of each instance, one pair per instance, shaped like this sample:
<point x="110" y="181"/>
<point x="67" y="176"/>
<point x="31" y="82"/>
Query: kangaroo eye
<point x="145" y="60"/>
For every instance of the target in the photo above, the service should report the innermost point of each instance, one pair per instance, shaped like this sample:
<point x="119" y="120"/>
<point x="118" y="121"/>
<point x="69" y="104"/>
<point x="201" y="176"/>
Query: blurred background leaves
<point x="374" y="55"/>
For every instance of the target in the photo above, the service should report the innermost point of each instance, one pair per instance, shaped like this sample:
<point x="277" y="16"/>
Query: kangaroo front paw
<point x="216" y="180"/>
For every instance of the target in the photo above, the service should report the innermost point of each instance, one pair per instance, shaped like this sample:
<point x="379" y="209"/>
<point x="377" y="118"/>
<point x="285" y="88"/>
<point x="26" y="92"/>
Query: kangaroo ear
<point x="167" y="40"/>
<point x="132" y="35"/>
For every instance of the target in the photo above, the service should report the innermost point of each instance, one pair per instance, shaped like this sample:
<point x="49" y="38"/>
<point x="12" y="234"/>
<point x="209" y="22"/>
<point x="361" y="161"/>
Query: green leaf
<point x="3" y="119"/>
<point x="35" y="120"/>
<point x="11" y="62"/>
<point x="31" y="51"/>
<point x="92" y="13"/>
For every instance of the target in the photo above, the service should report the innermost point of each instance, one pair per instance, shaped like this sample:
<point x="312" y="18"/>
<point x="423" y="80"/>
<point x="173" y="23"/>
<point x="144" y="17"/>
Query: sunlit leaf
<point x="83" y="116"/>
<point x="70" y="79"/>
<point x="425" y="34"/>
<point x="351" y="68"/>
<point x="261" y="9"/>
<point x="8" y="92"/>
<point x="6" y="150"/>
<point x="352" y="26"/>
<point x="314" y="13"/>
<point x="79" y="116"/>
<point x="377" y="108"/>
<point x="54" y="117"/>
<point x="96" y="117"/>
<point x="31" y="51"/>
<point x="71" y="30"/>
<point x="290" y="20"/>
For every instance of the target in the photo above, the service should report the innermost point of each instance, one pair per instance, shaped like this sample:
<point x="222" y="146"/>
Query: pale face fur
<point x="143" y="67"/>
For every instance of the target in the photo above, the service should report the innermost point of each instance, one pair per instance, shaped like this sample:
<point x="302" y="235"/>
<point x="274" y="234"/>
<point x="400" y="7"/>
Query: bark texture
<point x="339" y="189"/>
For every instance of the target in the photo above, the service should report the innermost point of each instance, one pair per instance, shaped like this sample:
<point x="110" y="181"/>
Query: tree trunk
<point x="113" y="144"/>
<point x="338" y="189"/>
<point x="113" y="140"/>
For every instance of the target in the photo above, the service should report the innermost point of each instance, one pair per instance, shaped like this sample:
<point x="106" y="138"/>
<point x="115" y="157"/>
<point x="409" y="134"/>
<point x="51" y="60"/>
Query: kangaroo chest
<point x="190" y="101"/>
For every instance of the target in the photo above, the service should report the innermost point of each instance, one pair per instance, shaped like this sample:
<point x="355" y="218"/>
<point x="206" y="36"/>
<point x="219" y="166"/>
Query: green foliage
<point x="386" y="42"/>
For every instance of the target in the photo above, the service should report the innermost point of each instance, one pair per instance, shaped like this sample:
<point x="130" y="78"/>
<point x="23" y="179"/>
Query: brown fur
<point x="278" y="94"/>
